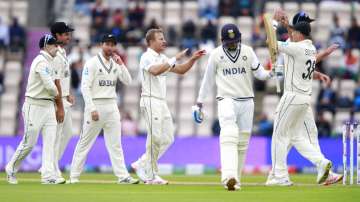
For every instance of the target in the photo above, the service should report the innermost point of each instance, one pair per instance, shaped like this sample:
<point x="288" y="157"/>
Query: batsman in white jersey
<point x="309" y="125"/>
<point x="62" y="32"/>
<point x="39" y="114"/>
<point x="232" y="67"/>
<point x="98" y="84"/>
<point x="154" y="67"/>
<point x="300" y="59"/>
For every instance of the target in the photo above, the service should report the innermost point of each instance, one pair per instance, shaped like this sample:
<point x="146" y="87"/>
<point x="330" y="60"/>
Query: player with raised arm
<point x="154" y="67"/>
<point x="98" y="84"/>
<point x="309" y="125"/>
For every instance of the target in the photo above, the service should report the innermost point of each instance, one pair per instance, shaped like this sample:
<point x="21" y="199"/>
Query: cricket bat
<point x="272" y="45"/>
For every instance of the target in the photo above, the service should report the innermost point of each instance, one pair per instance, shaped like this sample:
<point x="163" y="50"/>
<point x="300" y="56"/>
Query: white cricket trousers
<point x="63" y="135"/>
<point x="309" y="128"/>
<point x="39" y="116"/>
<point x="109" y="121"/>
<point x="289" y="129"/>
<point x="236" y="120"/>
<point x="160" y="132"/>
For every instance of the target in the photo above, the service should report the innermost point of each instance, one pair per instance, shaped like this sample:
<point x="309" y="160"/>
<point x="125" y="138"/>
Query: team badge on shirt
<point x="101" y="72"/>
<point x="244" y="58"/>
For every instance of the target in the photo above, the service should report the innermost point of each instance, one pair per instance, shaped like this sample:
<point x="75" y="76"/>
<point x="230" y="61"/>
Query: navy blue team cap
<point x="230" y="34"/>
<point x="301" y="17"/>
<point x="303" y="27"/>
<point x="60" y="27"/>
<point x="109" y="38"/>
<point x="47" y="39"/>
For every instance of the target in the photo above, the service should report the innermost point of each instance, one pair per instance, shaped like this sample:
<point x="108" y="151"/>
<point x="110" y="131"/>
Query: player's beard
<point x="108" y="53"/>
<point x="232" y="46"/>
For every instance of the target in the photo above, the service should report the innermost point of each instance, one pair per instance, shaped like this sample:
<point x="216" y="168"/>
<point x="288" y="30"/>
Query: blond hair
<point x="150" y="34"/>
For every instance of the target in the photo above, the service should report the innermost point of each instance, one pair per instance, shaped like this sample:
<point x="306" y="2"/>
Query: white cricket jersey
<point x="40" y="83"/>
<point x="99" y="79"/>
<point x="232" y="72"/>
<point x="62" y="71"/>
<point x="152" y="86"/>
<point x="299" y="65"/>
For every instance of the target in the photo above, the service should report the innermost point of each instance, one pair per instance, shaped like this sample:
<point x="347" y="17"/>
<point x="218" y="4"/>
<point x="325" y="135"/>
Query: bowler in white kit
<point x="309" y="126"/>
<point x="98" y="84"/>
<point x="231" y="67"/>
<point x="154" y="67"/>
<point x="292" y="111"/>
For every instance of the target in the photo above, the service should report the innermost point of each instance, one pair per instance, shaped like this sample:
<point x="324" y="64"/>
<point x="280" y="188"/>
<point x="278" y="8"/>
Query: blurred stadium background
<point x="187" y="24"/>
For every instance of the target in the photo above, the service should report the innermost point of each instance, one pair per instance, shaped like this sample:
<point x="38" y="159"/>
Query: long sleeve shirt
<point x="99" y="78"/>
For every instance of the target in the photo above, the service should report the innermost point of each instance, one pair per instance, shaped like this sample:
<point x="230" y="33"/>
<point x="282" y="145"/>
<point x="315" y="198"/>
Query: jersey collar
<point x="46" y="55"/>
<point x="102" y="60"/>
<point x="152" y="52"/>
<point x="234" y="57"/>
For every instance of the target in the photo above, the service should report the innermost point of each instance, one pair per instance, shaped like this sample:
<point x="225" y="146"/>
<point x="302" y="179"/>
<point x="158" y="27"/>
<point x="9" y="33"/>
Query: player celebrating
<point x="154" y="66"/>
<point x="39" y="114"/>
<point x="309" y="125"/>
<point x="232" y="66"/>
<point x="291" y="112"/>
<point x="98" y="84"/>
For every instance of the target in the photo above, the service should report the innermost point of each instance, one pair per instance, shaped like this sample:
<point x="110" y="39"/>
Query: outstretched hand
<point x="332" y="48"/>
<point x="323" y="77"/>
<point x="279" y="14"/>
<point x="181" y="54"/>
<point x="198" y="54"/>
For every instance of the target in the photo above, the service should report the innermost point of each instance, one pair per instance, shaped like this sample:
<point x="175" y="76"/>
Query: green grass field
<point x="206" y="188"/>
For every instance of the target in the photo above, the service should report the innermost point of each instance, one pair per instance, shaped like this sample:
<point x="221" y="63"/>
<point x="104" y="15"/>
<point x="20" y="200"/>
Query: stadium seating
<point x="182" y="90"/>
<point x="9" y="100"/>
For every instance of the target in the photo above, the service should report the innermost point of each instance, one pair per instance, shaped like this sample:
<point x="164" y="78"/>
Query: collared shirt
<point x="152" y="86"/>
<point x="99" y="79"/>
<point x="232" y="72"/>
<point x="40" y="83"/>
<point x="62" y="71"/>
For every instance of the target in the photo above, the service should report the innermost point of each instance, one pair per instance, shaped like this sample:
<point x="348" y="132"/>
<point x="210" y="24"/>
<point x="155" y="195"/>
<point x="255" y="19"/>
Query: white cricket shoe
<point x="333" y="178"/>
<point x="275" y="181"/>
<point x="11" y="177"/>
<point x="73" y="181"/>
<point x="140" y="171"/>
<point x="128" y="180"/>
<point x="231" y="184"/>
<point x="53" y="181"/>
<point x="157" y="180"/>
<point x="323" y="171"/>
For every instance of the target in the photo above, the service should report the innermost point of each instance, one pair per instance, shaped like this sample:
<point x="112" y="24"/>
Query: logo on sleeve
<point x="86" y="71"/>
<point x="47" y="70"/>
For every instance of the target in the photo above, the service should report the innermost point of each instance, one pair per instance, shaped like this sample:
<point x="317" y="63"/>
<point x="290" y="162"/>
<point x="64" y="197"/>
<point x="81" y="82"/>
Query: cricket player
<point x="99" y="79"/>
<point x="309" y="125"/>
<point x="39" y="114"/>
<point x="232" y="67"/>
<point x="154" y="67"/>
<point x="300" y="58"/>
<point x="62" y="33"/>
